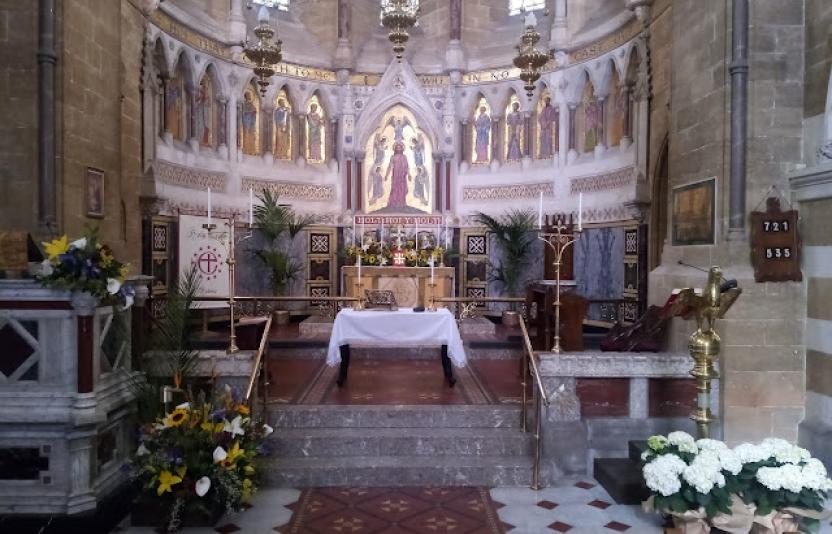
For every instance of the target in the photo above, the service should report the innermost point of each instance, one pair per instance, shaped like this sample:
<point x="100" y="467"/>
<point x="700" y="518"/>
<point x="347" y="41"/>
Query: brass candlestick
<point x="432" y="300"/>
<point x="558" y="241"/>
<point x="704" y="343"/>
<point x="359" y="288"/>
<point x="232" y="262"/>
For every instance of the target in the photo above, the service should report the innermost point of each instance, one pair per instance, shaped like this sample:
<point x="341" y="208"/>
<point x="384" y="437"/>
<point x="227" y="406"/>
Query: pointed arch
<point x="177" y="99"/>
<point x="515" y="129"/>
<point x="316" y="132"/>
<point x="481" y="132"/>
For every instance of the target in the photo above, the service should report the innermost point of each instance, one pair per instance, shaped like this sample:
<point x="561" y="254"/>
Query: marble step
<point x="398" y="471"/>
<point x="427" y="416"/>
<point x="323" y="442"/>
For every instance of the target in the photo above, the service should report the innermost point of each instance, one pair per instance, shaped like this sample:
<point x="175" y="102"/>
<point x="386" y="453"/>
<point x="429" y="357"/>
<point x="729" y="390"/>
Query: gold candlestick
<point x="558" y="241"/>
<point x="432" y="300"/>
<point x="359" y="289"/>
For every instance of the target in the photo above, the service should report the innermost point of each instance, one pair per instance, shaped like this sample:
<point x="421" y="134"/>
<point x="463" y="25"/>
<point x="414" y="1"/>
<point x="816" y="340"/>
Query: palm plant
<point x="280" y="225"/>
<point x="171" y="335"/>
<point x="513" y="234"/>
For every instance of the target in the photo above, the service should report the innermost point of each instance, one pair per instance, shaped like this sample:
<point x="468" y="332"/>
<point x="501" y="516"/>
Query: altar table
<point x="409" y="284"/>
<point x="400" y="328"/>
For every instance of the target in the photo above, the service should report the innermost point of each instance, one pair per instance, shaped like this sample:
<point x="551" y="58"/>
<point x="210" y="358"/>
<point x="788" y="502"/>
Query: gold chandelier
<point x="264" y="53"/>
<point x="398" y="16"/>
<point x="529" y="59"/>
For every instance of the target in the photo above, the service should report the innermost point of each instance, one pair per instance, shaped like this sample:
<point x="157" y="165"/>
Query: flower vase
<point x="84" y="303"/>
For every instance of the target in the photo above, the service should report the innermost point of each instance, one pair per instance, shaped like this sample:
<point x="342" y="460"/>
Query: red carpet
<point x="394" y="510"/>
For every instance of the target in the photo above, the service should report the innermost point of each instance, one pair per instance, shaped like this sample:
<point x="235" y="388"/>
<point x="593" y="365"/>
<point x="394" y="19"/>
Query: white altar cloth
<point x="401" y="328"/>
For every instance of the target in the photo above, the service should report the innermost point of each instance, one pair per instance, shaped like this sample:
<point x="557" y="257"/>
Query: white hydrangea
<point x="729" y="461"/>
<point x="706" y="444"/>
<point x="646" y="454"/>
<point x="788" y="477"/>
<point x="785" y="452"/>
<point x="705" y="472"/>
<point x="749" y="454"/>
<point x="815" y="476"/>
<point x="662" y="474"/>
<point x="683" y="441"/>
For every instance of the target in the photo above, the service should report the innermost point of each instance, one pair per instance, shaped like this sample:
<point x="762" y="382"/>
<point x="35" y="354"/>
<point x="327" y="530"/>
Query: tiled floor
<point x="577" y="506"/>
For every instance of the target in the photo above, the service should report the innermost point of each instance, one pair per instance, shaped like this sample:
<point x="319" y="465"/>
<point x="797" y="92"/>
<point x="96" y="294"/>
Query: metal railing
<point x="260" y="370"/>
<point x="540" y="398"/>
<point x="469" y="304"/>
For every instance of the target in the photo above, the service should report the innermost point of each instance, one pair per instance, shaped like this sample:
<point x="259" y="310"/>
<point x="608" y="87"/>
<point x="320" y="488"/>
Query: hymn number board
<point x="775" y="244"/>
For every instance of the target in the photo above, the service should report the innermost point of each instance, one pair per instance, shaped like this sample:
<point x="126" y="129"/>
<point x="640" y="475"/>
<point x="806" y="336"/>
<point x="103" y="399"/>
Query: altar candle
<point x="417" y="234"/>
<point x="250" y="206"/>
<point x="580" y="211"/>
<point x="361" y="240"/>
<point x="431" y="270"/>
<point x="354" y="235"/>
<point x="381" y="233"/>
<point x="438" y="232"/>
<point x="446" y="234"/>
<point x="359" y="269"/>
<point x="540" y="212"/>
<point x="209" y="205"/>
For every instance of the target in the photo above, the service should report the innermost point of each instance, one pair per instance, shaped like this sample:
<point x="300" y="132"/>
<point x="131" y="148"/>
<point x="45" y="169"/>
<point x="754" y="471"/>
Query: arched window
<point x="515" y="7"/>
<point x="282" y="5"/>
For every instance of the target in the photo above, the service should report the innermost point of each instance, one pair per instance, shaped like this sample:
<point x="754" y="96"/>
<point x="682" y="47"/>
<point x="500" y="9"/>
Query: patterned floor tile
<point x="618" y="527"/>
<point x="394" y="507"/>
<point x="549" y="505"/>
<point x="584" y="485"/>
<point x="559" y="526"/>
<point x="597" y="503"/>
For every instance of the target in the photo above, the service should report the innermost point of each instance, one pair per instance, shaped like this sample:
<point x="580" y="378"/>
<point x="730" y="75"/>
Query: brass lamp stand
<point x="558" y="240"/>
<point x="232" y="262"/>
<point x="704" y="343"/>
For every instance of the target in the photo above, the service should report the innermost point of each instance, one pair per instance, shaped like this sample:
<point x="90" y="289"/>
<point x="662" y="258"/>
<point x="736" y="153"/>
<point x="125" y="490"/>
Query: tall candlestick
<point x="580" y="211"/>
<point x="250" y="206"/>
<point x="540" y="212"/>
<point x="209" y="205"/>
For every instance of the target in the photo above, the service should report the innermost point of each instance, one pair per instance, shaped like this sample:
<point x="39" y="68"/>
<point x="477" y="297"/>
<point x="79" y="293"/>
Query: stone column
<point x="343" y="53"/>
<point x="166" y="119"/>
<point x="239" y="126"/>
<point x="84" y="305"/>
<point x="448" y="158"/>
<point x="739" y="120"/>
<point x="359" y="181"/>
<point x="627" y="138"/>
<point x="150" y="119"/>
<point x="559" y="36"/>
<point x="527" y="135"/>
<point x="222" y="126"/>
<point x="465" y="141"/>
<point x="332" y="140"/>
<point x="190" y="91"/>
<point x="562" y="134"/>
<point x="301" y="130"/>
<point x="437" y="180"/>
<point x="573" y="144"/>
<point x="237" y="27"/>
<point x="348" y="189"/>
<point x="266" y="130"/>
<point x="47" y="58"/>
<point x="497" y="153"/>
<point x="454" y="55"/>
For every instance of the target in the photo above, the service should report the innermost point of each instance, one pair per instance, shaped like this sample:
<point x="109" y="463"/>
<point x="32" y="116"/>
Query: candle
<point x="250" y="206"/>
<point x="431" y="270"/>
<point x="359" y="269"/>
<point x="446" y="234"/>
<point x="381" y="233"/>
<point x="417" y="234"/>
<point x="438" y="232"/>
<point x="361" y="240"/>
<point x="540" y="212"/>
<point x="209" y="205"/>
<point x="354" y="235"/>
<point x="580" y="211"/>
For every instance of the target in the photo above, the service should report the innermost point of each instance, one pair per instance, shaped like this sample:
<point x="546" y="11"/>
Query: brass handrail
<point x="539" y="400"/>
<point x="277" y="298"/>
<point x="257" y="369"/>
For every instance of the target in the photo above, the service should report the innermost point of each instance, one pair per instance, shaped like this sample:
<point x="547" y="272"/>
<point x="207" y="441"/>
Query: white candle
<point x="359" y="269"/>
<point x="361" y="240"/>
<point x="250" y="206"/>
<point x="580" y="211"/>
<point x="540" y="212"/>
<point x="431" y="270"/>
<point x="209" y="205"/>
<point x="381" y="233"/>
<point x="417" y="234"/>
<point x="446" y="234"/>
<point x="354" y="235"/>
<point x="438" y="232"/>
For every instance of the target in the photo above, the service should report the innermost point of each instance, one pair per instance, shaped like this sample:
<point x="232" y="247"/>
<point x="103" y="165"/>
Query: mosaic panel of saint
<point x="282" y="117"/>
<point x="204" y="111"/>
<point x="588" y="118"/>
<point x="481" y="133"/>
<point x="515" y="130"/>
<point x="616" y="109"/>
<point x="250" y="122"/>
<point x="548" y="120"/>
<point x="398" y="165"/>
<point x="175" y="105"/>
<point x="315" y="131"/>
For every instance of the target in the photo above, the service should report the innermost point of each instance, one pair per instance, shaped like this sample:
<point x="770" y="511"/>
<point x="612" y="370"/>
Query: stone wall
<point x="763" y="354"/>
<point x="19" y="127"/>
<point x="818" y="55"/>
<point x="99" y="107"/>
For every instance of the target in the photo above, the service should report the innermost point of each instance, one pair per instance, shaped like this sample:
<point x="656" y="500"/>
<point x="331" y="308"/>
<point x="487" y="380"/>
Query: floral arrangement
<point x="86" y="265"/>
<point x="199" y="458"/>
<point x="770" y="487"/>
<point x="377" y="254"/>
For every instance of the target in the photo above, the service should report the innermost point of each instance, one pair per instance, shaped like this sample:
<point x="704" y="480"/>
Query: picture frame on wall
<point x="94" y="189"/>
<point x="694" y="213"/>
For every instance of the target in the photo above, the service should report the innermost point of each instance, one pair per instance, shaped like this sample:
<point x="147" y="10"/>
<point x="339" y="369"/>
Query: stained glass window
<point x="518" y="6"/>
<point x="282" y="5"/>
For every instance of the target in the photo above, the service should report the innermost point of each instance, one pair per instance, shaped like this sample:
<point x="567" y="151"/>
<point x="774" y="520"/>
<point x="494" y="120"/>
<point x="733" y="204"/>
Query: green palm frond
<point x="280" y="225"/>
<point x="513" y="234"/>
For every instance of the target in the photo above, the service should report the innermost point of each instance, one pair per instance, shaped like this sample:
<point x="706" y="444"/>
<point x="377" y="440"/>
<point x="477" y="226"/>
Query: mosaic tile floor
<point x="577" y="506"/>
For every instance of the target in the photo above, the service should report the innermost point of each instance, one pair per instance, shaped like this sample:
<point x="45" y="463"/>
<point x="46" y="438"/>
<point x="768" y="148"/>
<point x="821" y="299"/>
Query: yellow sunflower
<point x="176" y="417"/>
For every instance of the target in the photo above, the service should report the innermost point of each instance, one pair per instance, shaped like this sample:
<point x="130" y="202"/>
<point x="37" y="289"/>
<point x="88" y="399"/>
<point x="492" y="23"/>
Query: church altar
<point x="409" y="284"/>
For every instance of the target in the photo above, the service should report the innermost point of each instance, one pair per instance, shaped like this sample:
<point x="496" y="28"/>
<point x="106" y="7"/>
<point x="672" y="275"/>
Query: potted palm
<point x="513" y="235"/>
<point x="280" y="225"/>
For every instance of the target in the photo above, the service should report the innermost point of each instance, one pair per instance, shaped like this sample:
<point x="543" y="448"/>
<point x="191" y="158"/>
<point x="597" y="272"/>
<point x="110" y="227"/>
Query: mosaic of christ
<point x="397" y="165"/>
